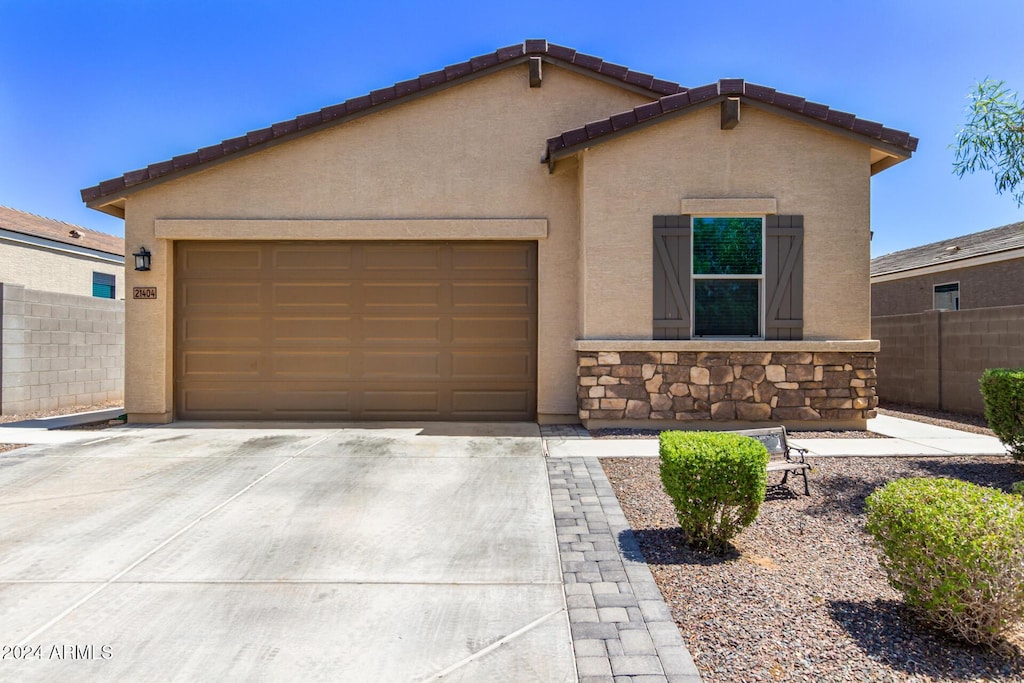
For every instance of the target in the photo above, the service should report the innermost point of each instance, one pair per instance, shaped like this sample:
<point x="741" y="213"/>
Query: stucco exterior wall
<point x="988" y="285"/>
<point x="55" y="271"/>
<point x="822" y="176"/>
<point x="472" y="151"/>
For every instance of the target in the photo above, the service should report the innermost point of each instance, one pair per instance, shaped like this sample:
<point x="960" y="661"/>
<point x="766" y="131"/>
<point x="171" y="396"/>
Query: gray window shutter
<point x="784" y="277"/>
<point x="671" y="277"/>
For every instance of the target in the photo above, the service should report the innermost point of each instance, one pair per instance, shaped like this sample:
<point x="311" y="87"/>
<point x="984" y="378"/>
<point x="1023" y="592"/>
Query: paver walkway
<point x="622" y="630"/>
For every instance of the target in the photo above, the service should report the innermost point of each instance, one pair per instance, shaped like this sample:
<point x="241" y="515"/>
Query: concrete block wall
<point x="59" y="350"/>
<point x="935" y="359"/>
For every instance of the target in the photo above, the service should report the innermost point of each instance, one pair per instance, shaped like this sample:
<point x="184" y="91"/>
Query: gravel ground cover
<point x="70" y="410"/>
<point x="802" y="597"/>
<point x="976" y="424"/>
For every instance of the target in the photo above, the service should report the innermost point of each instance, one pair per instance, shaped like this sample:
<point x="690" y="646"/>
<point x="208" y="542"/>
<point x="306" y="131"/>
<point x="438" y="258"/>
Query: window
<point x="103" y="285"/>
<point x="728" y="276"/>
<point x="947" y="297"/>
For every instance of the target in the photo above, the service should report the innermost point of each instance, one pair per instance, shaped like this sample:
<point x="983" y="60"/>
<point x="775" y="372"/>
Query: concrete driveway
<point x="204" y="552"/>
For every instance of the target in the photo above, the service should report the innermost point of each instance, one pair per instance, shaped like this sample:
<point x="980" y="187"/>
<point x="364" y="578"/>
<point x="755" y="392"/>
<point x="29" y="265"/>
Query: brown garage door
<point x="356" y="330"/>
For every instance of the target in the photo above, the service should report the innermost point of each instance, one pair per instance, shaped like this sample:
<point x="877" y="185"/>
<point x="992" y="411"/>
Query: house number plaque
<point x="143" y="292"/>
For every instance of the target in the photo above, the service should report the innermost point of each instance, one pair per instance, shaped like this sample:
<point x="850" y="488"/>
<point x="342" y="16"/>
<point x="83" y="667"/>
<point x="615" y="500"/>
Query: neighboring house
<point x="981" y="270"/>
<point x="61" y="313"/>
<point x="51" y="255"/>
<point x="531" y="234"/>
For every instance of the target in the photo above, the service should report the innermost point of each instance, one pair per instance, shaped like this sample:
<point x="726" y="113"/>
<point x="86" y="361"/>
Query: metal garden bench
<point x="784" y="458"/>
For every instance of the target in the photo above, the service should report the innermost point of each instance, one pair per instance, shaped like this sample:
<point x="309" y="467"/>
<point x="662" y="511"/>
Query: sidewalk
<point x="48" y="429"/>
<point x="906" y="438"/>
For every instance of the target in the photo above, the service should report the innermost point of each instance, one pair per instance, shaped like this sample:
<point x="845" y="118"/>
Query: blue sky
<point x="89" y="90"/>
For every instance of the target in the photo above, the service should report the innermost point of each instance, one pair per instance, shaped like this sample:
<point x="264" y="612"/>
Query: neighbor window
<point x="103" y="285"/>
<point x="728" y="276"/>
<point x="947" y="297"/>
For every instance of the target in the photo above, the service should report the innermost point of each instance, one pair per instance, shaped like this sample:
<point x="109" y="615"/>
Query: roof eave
<point x="953" y="264"/>
<point x="111" y="202"/>
<point x="551" y="158"/>
<point x="894" y="153"/>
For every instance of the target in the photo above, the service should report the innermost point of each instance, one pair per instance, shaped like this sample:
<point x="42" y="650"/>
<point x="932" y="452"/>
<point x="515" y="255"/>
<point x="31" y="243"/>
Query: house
<point x="51" y="255"/>
<point x="980" y="270"/>
<point x="61" y="314"/>
<point x="531" y="234"/>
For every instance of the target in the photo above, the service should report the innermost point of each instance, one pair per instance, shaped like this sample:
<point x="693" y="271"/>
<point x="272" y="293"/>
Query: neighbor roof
<point x="571" y="141"/>
<point x="59" y="231"/>
<point x="984" y="243"/>
<point x="379" y="99"/>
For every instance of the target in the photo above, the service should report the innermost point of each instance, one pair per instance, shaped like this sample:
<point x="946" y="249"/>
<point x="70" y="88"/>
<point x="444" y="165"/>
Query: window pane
<point x="727" y="246"/>
<point x="103" y="285"/>
<point x="726" y="308"/>
<point x="947" y="297"/>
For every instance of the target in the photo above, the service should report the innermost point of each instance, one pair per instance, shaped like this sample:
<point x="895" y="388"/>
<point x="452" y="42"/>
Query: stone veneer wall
<point x="704" y="386"/>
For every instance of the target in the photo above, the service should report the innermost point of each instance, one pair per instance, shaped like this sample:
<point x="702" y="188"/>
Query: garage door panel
<point x="468" y="403"/>
<point x="321" y="364"/>
<point x="491" y="295"/>
<point x="401" y="365"/>
<point x="494" y="364"/>
<point x="312" y="257"/>
<point x="226" y="331"/>
<point x="350" y="330"/>
<point x="220" y="258"/>
<point x="319" y="401"/>
<point x="379" y="403"/>
<point x="222" y="400"/>
<point x="220" y="363"/>
<point x="402" y="257"/>
<point x="402" y="330"/>
<point x="321" y="295"/>
<point x="490" y="330"/>
<point x="222" y="294"/>
<point x="404" y="294"/>
<point x="318" y="330"/>
<point x="490" y="258"/>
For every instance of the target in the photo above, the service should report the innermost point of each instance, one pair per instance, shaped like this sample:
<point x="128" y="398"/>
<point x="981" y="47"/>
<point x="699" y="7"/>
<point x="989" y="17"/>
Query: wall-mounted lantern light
<point x="142" y="259"/>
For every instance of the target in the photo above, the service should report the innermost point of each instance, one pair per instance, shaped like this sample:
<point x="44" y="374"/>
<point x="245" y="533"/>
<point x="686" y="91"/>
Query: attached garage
<point x="295" y="330"/>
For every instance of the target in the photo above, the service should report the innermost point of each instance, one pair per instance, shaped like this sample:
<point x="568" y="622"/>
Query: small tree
<point x="993" y="138"/>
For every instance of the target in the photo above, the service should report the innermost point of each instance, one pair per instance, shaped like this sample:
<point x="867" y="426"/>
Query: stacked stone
<point x="750" y="386"/>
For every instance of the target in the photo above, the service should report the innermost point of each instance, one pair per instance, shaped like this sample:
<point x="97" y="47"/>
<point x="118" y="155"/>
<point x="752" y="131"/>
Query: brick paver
<point x="622" y="630"/>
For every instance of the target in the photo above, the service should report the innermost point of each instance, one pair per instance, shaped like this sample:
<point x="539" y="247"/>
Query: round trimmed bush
<point x="716" y="481"/>
<point x="1003" y="392"/>
<point x="955" y="550"/>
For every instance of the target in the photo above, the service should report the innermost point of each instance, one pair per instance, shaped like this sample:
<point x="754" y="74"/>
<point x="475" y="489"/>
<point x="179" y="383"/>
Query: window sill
<point x="705" y="345"/>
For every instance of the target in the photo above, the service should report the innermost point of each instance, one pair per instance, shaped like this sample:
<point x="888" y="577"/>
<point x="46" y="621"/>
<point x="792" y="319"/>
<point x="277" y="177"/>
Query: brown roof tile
<point x="951" y="250"/>
<point x="59" y="231"/>
<point x="454" y="72"/>
<point x="561" y="145"/>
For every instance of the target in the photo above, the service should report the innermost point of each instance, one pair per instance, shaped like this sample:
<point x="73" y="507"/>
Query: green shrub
<point x="716" y="481"/>
<point x="956" y="552"/>
<point x="1003" y="391"/>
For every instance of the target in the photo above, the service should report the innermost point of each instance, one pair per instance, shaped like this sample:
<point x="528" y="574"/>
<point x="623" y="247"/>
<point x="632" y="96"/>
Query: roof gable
<point x="58" y="231"/>
<point x="950" y="251"/>
<point x="568" y="143"/>
<point x="97" y="195"/>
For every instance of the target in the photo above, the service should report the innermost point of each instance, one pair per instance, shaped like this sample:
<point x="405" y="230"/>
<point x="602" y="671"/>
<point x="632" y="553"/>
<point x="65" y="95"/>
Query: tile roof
<point x="572" y="140"/>
<point x="358" y="106"/>
<point x="59" y="231"/>
<point x="952" y="250"/>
